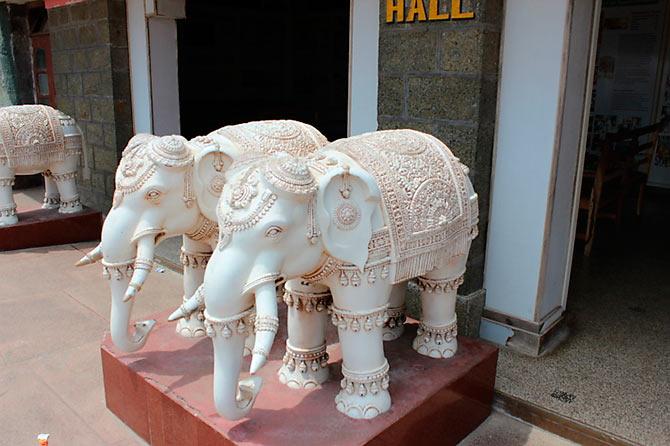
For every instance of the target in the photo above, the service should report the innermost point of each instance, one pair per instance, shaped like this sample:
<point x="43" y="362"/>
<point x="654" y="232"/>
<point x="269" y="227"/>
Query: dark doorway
<point x="279" y="59"/>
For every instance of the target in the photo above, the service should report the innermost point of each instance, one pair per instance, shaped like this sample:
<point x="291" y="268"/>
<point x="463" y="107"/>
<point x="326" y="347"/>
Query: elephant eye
<point x="153" y="195"/>
<point x="273" y="232"/>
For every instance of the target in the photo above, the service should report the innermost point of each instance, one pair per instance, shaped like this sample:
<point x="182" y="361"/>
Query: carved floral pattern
<point x="424" y="196"/>
<point x="439" y="285"/>
<point x="307" y="302"/>
<point x="237" y="325"/>
<point x="277" y="136"/>
<point x="32" y="135"/>
<point x="195" y="260"/>
<point x="357" y="321"/>
<point x="305" y="361"/>
<point x="367" y="383"/>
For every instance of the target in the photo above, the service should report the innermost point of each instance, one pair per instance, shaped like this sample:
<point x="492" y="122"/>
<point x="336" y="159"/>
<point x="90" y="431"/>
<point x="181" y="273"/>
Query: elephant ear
<point x="346" y="201"/>
<point x="209" y="177"/>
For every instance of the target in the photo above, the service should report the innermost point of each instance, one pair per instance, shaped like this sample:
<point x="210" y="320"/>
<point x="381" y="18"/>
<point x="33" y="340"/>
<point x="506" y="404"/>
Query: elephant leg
<point x="51" y="195"/>
<point x="305" y="364"/>
<point x="436" y="336"/>
<point x="7" y="205"/>
<point x="359" y="312"/>
<point x="65" y="175"/>
<point x="194" y="257"/>
<point x="394" y="326"/>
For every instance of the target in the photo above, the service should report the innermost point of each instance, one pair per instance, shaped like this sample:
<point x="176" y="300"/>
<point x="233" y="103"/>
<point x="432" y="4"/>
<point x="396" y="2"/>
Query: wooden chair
<point x="624" y="163"/>
<point x="602" y="194"/>
<point x="642" y="159"/>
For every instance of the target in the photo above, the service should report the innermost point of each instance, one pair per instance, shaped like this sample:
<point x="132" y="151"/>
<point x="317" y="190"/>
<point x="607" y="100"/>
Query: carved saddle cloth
<point x="32" y="134"/>
<point x="270" y="137"/>
<point x="425" y="197"/>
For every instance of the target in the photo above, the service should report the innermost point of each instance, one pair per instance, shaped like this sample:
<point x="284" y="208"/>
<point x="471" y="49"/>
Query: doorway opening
<point x="610" y="376"/>
<point x="248" y="61"/>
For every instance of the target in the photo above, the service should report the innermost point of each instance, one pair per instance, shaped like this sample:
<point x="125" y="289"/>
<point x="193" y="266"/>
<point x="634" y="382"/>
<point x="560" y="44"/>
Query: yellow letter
<point x="456" y="12"/>
<point x="416" y="8"/>
<point x="397" y="6"/>
<point x="433" y="11"/>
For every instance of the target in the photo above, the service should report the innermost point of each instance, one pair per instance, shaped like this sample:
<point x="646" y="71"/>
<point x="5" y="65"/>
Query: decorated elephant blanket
<point x="275" y="136"/>
<point x="425" y="195"/>
<point x="32" y="134"/>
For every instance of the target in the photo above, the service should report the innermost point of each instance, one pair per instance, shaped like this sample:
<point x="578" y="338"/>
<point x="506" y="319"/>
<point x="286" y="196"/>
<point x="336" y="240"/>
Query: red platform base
<point x="164" y="393"/>
<point x="45" y="227"/>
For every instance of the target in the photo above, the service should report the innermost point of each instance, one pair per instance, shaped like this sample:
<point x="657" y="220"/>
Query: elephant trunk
<point x="143" y="264"/>
<point x="91" y="257"/>
<point x="120" y="319"/>
<point x="233" y="399"/>
<point x="266" y="324"/>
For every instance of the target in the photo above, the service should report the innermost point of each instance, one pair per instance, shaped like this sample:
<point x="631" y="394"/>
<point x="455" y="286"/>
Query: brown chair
<point x="602" y="194"/>
<point x="624" y="163"/>
<point x="642" y="160"/>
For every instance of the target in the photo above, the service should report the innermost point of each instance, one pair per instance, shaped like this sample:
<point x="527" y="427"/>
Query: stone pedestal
<point x="45" y="227"/>
<point x="164" y="393"/>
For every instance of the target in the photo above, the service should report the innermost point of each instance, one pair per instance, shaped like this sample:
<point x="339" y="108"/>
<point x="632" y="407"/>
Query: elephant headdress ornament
<point x="143" y="156"/>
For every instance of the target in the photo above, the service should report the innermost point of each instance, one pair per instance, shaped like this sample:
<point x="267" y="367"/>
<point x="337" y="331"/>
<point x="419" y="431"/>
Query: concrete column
<point x="544" y="90"/>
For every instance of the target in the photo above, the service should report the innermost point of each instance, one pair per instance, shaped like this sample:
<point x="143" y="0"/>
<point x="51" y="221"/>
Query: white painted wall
<point x="363" y="66"/>
<point x="531" y="82"/>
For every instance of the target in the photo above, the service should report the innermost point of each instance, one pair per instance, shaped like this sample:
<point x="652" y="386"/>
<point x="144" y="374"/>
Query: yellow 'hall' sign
<point x="416" y="11"/>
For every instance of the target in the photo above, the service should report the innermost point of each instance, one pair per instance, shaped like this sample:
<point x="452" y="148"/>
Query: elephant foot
<point x="8" y="216"/>
<point x="70" y="206"/>
<point x="436" y="342"/>
<point x="304" y="369"/>
<point x="193" y="326"/>
<point x="395" y="324"/>
<point x="364" y="395"/>
<point x="51" y="202"/>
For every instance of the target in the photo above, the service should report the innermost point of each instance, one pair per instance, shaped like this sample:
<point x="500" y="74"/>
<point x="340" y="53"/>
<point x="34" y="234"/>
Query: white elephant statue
<point x="39" y="139"/>
<point x="168" y="186"/>
<point x="359" y="219"/>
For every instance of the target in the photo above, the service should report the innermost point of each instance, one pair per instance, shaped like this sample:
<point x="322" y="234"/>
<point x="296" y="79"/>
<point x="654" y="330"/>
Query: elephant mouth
<point x="158" y="233"/>
<point x="277" y="278"/>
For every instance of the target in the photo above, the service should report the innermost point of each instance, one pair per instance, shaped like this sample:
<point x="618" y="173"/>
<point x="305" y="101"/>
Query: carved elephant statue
<point x="39" y="139"/>
<point x="355" y="221"/>
<point x="168" y="186"/>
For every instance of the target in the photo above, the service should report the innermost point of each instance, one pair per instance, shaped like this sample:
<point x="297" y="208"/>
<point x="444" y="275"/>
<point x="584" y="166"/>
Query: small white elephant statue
<point x="39" y="139"/>
<point x="168" y="186"/>
<point x="360" y="218"/>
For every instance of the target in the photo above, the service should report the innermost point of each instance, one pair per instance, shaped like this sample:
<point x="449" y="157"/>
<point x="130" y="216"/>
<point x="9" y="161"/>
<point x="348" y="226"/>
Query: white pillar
<point x="544" y="88"/>
<point x="152" y="47"/>
<point x="363" y="66"/>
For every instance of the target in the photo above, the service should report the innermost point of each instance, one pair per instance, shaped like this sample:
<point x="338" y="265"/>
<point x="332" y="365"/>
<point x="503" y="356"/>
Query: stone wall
<point x="22" y="48"/>
<point x="90" y="59"/>
<point x="441" y="77"/>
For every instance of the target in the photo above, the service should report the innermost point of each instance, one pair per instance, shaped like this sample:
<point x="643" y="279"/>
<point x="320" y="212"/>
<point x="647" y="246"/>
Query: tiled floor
<point x="52" y="320"/>
<point x="614" y="370"/>
<point x="502" y="430"/>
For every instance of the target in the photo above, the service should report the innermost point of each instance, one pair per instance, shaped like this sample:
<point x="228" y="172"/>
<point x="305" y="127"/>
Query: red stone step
<point x="46" y="227"/>
<point x="164" y="393"/>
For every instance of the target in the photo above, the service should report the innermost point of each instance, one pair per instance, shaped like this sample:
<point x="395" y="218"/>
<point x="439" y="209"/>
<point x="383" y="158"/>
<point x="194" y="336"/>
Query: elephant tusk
<point x="143" y="264"/>
<point x="91" y="257"/>
<point x="188" y="307"/>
